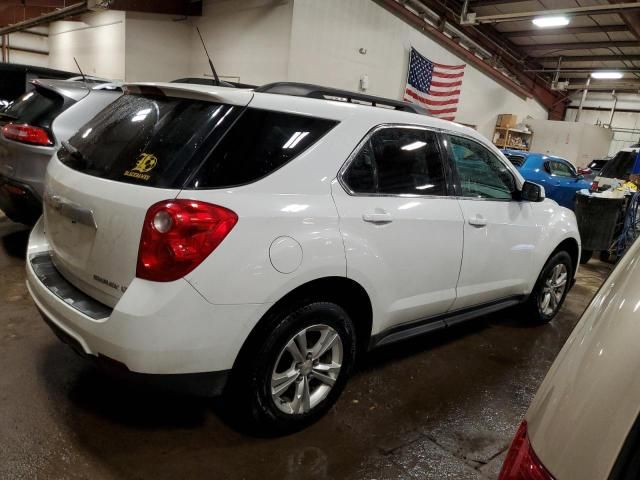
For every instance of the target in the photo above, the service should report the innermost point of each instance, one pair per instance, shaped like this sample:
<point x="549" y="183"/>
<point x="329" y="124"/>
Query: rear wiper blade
<point x="73" y="151"/>
<point x="8" y="115"/>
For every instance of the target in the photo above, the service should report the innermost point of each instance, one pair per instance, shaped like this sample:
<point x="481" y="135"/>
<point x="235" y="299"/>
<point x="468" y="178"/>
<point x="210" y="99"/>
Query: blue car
<point x="559" y="177"/>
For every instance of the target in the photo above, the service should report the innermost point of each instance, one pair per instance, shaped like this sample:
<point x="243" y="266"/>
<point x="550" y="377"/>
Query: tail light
<point x="584" y="171"/>
<point x="178" y="235"/>
<point x="521" y="462"/>
<point x="594" y="186"/>
<point x="26" y="134"/>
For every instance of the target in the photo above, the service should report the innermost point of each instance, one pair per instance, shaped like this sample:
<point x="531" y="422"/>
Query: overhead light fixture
<point x="545" y="22"/>
<point x="607" y="75"/>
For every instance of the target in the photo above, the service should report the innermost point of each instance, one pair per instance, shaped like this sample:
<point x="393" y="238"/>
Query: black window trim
<point x="457" y="184"/>
<point x="446" y="163"/>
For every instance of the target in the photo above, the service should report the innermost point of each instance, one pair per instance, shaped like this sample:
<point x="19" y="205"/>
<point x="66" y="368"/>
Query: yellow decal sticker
<point x="145" y="163"/>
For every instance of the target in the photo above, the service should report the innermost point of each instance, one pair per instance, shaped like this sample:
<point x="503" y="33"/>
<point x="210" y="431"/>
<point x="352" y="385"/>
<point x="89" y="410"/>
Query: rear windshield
<point x="152" y="141"/>
<point x="38" y="107"/>
<point x="620" y="166"/>
<point x="171" y="142"/>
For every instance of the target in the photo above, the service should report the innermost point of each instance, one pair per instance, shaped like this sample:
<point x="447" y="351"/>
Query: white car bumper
<point x="155" y="328"/>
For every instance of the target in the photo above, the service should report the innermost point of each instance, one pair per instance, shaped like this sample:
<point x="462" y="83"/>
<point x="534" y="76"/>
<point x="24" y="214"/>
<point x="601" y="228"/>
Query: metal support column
<point x="613" y="108"/>
<point x="584" y="97"/>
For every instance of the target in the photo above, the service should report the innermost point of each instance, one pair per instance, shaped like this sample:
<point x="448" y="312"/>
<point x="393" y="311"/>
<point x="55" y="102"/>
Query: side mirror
<point x="579" y="177"/>
<point x="532" y="192"/>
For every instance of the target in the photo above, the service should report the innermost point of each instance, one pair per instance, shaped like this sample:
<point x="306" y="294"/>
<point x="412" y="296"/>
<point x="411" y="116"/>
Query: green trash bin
<point x="597" y="219"/>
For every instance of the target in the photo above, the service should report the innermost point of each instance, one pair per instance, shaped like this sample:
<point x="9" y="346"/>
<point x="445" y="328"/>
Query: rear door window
<point x="398" y="161"/>
<point x="148" y="140"/>
<point x="258" y="144"/>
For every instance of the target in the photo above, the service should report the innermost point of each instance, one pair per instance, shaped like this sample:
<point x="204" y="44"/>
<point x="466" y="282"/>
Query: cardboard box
<point x="507" y="120"/>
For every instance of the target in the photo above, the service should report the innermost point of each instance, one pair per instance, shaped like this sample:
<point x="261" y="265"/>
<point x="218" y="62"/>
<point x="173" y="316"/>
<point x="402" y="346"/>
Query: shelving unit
<point x="505" y="137"/>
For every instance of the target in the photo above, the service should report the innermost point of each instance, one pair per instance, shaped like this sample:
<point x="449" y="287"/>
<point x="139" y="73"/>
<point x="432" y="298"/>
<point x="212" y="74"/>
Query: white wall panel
<point x="625" y="125"/>
<point x="98" y="43"/>
<point x="248" y="40"/>
<point x="157" y="48"/>
<point x="577" y="142"/>
<point x="30" y="41"/>
<point x="27" y="58"/>
<point x="326" y="36"/>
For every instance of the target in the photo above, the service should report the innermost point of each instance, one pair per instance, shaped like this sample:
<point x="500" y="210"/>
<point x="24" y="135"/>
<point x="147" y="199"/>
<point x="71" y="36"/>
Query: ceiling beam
<point x="454" y="47"/>
<point x="530" y="85"/>
<point x="618" y="87"/>
<point x="168" y="7"/>
<point x="569" y="12"/>
<point x="487" y="3"/>
<point x="631" y="19"/>
<point x="539" y="32"/>
<point x="59" y="14"/>
<point x="583" y="70"/>
<point x="589" y="58"/>
<point x="578" y="45"/>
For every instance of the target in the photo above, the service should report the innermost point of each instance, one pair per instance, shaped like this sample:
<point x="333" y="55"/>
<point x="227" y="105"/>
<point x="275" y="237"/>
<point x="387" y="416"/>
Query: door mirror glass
<point x="532" y="192"/>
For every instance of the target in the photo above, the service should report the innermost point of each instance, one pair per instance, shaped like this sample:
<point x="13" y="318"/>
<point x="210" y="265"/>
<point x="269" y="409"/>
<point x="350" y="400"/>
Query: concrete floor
<point x="436" y="407"/>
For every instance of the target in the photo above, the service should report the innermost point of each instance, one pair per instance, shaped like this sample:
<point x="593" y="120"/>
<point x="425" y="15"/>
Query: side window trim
<point x="444" y="158"/>
<point x="458" y="185"/>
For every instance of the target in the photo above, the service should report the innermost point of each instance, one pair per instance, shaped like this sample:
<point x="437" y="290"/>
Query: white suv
<point x="257" y="240"/>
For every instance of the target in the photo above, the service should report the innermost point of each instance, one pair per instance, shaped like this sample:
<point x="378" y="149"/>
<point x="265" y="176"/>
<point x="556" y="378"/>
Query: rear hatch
<point x="138" y="151"/>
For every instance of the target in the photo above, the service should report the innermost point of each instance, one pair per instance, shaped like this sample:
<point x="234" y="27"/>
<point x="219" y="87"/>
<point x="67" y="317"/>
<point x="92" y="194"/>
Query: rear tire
<point x="550" y="289"/>
<point x="291" y="376"/>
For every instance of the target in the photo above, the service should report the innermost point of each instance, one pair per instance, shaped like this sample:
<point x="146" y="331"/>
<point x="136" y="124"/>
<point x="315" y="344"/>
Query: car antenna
<point x="84" y="78"/>
<point x="216" y="80"/>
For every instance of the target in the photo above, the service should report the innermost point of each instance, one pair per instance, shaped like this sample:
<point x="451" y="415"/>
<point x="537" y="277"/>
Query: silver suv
<point x="33" y="127"/>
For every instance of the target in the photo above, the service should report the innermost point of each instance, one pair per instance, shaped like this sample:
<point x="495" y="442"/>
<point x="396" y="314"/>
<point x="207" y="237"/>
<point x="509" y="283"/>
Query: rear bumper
<point x="156" y="333"/>
<point x="19" y="201"/>
<point x="206" y="384"/>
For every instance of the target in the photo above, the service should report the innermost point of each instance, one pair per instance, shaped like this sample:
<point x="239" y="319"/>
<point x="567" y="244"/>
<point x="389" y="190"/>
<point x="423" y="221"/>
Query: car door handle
<point x="377" y="217"/>
<point x="478" y="221"/>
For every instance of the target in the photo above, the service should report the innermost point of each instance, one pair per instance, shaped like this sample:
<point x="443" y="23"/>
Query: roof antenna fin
<point x="216" y="80"/>
<point x="84" y="78"/>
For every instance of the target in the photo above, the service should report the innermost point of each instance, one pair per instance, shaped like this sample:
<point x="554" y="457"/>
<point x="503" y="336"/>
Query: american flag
<point x="434" y="86"/>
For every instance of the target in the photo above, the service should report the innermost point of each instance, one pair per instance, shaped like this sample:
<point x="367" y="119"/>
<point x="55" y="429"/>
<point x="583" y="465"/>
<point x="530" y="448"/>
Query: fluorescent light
<point x="544" y="22"/>
<point x="413" y="146"/>
<point x="606" y="75"/>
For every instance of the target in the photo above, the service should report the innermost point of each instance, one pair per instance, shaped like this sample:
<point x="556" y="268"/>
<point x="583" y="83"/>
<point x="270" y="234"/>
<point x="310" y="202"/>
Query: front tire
<point x="294" y="374"/>
<point x="550" y="290"/>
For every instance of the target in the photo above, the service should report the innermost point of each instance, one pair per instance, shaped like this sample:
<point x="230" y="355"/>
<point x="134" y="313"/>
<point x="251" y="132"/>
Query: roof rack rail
<point x="326" y="93"/>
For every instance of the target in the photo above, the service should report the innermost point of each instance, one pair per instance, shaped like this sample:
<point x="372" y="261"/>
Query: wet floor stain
<point x="443" y="406"/>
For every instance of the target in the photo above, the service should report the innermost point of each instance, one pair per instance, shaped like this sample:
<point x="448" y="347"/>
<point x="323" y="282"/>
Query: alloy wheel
<point x="553" y="289"/>
<point x="306" y="369"/>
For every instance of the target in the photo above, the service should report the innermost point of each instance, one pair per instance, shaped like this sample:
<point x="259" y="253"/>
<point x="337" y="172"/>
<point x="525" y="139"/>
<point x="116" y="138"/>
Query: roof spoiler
<point x="326" y="93"/>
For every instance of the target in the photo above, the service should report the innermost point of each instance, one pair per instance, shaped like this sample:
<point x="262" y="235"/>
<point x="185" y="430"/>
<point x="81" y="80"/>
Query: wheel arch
<point x="569" y="245"/>
<point x="343" y="291"/>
